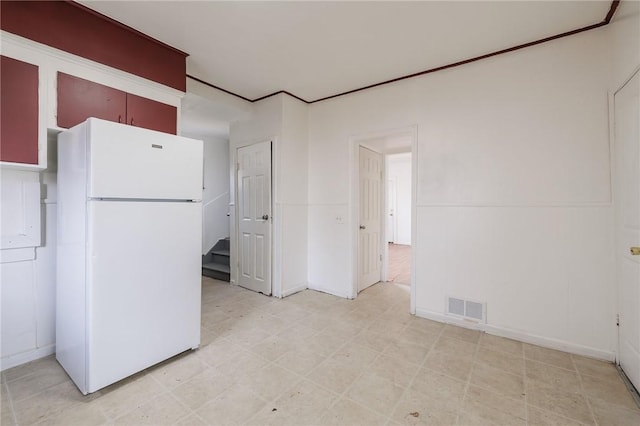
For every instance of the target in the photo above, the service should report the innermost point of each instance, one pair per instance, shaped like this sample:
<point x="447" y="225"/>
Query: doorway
<point x="254" y="217"/>
<point x="398" y="211"/>
<point x="384" y="144"/>
<point x="627" y="224"/>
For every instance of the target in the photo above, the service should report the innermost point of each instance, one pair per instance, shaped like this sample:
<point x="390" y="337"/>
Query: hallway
<point x="399" y="264"/>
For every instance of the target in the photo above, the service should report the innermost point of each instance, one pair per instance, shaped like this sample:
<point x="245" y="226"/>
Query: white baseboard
<point x="521" y="336"/>
<point x="329" y="291"/>
<point x="24" y="357"/>
<point x="295" y="289"/>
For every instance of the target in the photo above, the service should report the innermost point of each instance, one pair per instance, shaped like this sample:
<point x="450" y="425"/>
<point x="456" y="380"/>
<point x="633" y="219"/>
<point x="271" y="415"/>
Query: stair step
<point x="222" y="252"/>
<point x="217" y="267"/>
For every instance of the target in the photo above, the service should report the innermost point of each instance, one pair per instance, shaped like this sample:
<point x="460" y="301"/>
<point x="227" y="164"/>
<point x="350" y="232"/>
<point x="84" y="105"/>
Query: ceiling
<point x="319" y="49"/>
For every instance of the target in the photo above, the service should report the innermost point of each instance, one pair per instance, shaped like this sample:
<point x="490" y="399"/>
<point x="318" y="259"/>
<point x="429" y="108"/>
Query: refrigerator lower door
<point x="143" y="286"/>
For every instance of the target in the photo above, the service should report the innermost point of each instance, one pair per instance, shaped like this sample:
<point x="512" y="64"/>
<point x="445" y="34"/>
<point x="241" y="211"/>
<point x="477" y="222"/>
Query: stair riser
<point x="219" y="258"/>
<point x="216" y="275"/>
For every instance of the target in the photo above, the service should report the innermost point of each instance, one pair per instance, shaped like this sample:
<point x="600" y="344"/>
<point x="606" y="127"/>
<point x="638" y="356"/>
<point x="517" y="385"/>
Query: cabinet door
<point x="143" y="112"/>
<point x="18" y="111"/>
<point x="79" y="99"/>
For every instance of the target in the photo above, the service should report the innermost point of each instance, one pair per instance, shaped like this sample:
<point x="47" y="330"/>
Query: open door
<point x="254" y="217"/>
<point x="370" y="190"/>
<point x="627" y="208"/>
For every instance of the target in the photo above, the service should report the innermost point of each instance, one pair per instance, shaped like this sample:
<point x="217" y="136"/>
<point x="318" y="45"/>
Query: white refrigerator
<point x="129" y="250"/>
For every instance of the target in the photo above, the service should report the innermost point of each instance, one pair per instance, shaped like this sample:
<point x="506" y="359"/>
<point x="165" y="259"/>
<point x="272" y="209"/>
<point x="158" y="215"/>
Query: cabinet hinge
<point x="618" y="320"/>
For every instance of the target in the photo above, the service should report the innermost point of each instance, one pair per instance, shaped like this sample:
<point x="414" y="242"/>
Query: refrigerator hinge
<point x="618" y="320"/>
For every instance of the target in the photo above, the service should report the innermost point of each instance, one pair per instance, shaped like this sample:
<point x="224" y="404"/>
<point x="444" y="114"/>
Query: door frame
<point x="234" y="207"/>
<point x="355" y="142"/>
<point x="613" y="201"/>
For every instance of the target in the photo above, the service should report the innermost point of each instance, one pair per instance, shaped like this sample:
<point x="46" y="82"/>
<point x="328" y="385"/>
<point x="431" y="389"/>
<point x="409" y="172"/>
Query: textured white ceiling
<point x="318" y="49"/>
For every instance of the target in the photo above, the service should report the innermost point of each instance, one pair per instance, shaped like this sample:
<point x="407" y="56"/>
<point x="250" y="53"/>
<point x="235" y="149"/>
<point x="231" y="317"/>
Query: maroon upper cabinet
<point x="79" y="99"/>
<point x="18" y="111"/>
<point x="143" y="112"/>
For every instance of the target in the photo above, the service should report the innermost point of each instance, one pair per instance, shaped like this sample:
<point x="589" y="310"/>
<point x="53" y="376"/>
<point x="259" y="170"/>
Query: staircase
<point x="215" y="264"/>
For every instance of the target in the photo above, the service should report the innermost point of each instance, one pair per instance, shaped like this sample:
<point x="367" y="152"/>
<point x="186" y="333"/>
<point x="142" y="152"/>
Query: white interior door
<point x="254" y="215"/>
<point x="627" y="205"/>
<point x="391" y="210"/>
<point x="370" y="187"/>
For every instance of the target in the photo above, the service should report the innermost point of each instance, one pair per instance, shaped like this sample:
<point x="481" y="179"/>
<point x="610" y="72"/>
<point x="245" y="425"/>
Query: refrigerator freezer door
<point x="143" y="289"/>
<point x="130" y="162"/>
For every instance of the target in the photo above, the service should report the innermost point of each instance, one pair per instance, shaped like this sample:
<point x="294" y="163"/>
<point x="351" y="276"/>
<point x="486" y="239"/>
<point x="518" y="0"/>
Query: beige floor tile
<point x="349" y="413"/>
<point x="409" y="352"/>
<point x="502" y="344"/>
<point x="270" y="381"/>
<point x="119" y="398"/>
<point x="178" y="370"/>
<point x="387" y="327"/>
<point x="77" y="415"/>
<point x="301" y="405"/>
<point x="422" y="337"/>
<point x="218" y="352"/>
<point x="439" y="387"/>
<point x="6" y="411"/>
<point x="272" y="347"/>
<point x="424" y="324"/>
<point x="452" y="364"/>
<point x="374" y="340"/>
<point x="191" y="420"/>
<point x="42" y="378"/>
<point x="300" y="361"/>
<point x="482" y="407"/>
<point x="375" y="392"/>
<point x="324" y="343"/>
<point x="397" y="371"/>
<point x="243" y="363"/>
<point x="547" y="374"/>
<point x="414" y="408"/>
<point x="537" y="417"/>
<point x="334" y="375"/>
<point x="49" y="403"/>
<point x="247" y="336"/>
<point x="457" y="346"/>
<point x="234" y="406"/>
<point x="207" y="336"/>
<point x="466" y="334"/>
<point x="38" y="366"/>
<point x="162" y="410"/>
<point x="203" y="388"/>
<point x="614" y="415"/>
<point x="613" y="392"/>
<point x="567" y="403"/>
<point x="548" y="356"/>
<point x="498" y="381"/>
<point x="502" y="360"/>
<point x="599" y="369"/>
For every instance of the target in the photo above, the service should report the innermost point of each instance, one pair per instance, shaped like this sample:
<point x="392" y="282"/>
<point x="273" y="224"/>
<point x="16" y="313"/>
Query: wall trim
<point x="323" y="289"/>
<point x="605" y="21"/>
<point x="24" y="357"/>
<point x="521" y="336"/>
<point x="294" y="290"/>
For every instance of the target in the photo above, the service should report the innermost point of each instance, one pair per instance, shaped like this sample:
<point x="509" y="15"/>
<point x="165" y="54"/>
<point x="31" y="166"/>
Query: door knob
<point x="635" y="251"/>
<point x="265" y="217"/>
<point x="363" y="227"/>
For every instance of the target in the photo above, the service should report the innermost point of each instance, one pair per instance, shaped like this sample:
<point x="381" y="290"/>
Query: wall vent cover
<point x="467" y="309"/>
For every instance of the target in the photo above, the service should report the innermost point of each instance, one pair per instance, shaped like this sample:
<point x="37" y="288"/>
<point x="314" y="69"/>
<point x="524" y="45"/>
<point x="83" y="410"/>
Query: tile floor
<point x="400" y="263"/>
<point x="316" y="359"/>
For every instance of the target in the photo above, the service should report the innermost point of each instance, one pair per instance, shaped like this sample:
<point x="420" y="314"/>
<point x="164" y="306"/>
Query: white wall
<point x="27" y="297"/>
<point x="399" y="170"/>
<point x="283" y="120"/>
<point x="513" y="189"/>
<point x="215" y="192"/>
